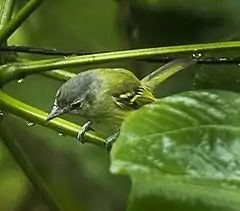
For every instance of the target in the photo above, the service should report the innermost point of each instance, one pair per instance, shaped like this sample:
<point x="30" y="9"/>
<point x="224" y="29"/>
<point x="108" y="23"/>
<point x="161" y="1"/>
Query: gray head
<point x="72" y="94"/>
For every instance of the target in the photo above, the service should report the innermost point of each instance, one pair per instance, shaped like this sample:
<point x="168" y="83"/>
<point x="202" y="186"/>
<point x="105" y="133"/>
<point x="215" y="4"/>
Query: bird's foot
<point x="110" y="140"/>
<point x="86" y="127"/>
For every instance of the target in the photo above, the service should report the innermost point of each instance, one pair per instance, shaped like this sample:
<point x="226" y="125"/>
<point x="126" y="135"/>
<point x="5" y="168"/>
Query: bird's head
<point x="69" y="99"/>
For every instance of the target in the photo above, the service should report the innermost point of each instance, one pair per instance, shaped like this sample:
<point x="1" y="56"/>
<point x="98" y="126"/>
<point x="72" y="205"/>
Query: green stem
<point x="60" y="75"/>
<point x="34" y="115"/>
<point x="23" y="161"/>
<point x="5" y="15"/>
<point x="17" y="70"/>
<point x="6" y="11"/>
<point x="20" y="17"/>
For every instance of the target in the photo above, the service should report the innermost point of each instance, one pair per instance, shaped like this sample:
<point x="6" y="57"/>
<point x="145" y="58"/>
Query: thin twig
<point x="43" y="51"/>
<point x="210" y="60"/>
<point x="55" y="52"/>
<point x="21" y="69"/>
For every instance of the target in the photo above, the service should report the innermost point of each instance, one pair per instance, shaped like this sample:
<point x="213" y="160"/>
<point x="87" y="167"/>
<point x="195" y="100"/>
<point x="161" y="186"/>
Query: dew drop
<point x="1" y="113"/>
<point x="196" y="55"/>
<point x="30" y="124"/>
<point x="20" y="80"/>
<point x="222" y="59"/>
<point x="60" y="134"/>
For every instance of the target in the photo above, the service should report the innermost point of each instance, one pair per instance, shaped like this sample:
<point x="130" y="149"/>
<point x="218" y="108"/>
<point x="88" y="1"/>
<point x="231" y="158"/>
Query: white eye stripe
<point x="55" y="102"/>
<point x="76" y="104"/>
<point x="58" y="93"/>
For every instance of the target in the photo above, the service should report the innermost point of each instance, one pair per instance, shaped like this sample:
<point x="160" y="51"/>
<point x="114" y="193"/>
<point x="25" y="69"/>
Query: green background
<point x="78" y="175"/>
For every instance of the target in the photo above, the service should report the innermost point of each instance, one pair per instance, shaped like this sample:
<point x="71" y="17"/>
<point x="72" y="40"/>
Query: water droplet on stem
<point x="30" y="124"/>
<point x="20" y="80"/>
<point x="196" y="55"/>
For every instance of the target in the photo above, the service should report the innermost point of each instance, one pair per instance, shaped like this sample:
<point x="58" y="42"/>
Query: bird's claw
<point x="110" y="140"/>
<point x="86" y="127"/>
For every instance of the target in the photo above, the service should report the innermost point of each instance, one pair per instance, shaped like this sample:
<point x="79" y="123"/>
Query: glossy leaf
<point x="182" y="153"/>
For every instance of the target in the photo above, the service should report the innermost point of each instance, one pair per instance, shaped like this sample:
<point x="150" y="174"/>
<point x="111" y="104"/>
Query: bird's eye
<point x="76" y="104"/>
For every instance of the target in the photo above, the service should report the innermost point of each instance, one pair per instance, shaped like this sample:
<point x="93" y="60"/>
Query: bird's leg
<point x="86" y="127"/>
<point x="110" y="140"/>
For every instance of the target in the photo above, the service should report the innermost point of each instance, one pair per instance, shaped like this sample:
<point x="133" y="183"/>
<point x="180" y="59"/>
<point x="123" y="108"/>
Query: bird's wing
<point x="134" y="100"/>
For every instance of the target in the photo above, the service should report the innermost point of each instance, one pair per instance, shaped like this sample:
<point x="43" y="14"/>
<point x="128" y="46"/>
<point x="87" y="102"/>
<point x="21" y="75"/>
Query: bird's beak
<point x="56" y="111"/>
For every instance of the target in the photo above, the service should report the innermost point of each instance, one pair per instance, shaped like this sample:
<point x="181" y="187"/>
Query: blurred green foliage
<point x="78" y="174"/>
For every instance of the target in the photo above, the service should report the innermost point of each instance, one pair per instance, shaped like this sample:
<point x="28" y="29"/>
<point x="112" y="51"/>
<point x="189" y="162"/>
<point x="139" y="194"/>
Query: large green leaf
<point x="183" y="153"/>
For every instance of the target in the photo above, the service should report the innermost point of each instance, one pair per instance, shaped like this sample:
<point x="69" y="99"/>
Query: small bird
<point x="108" y="95"/>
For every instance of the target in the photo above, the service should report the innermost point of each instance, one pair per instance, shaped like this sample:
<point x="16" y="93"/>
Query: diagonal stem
<point x="10" y="27"/>
<point x="59" y="75"/>
<point x="6" y="11"/>
<point x="31" y="114"/>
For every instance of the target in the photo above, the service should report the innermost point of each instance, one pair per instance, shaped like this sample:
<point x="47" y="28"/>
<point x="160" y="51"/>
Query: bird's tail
<point x="152" y="80"/>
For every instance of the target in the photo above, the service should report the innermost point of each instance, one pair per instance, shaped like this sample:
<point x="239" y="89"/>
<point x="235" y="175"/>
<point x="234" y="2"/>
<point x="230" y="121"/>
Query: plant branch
<point x="23" y="161"/>
<point x="6" y="11"/>
<point x="44" y="51"/>
<point x="60" y="75"/>
<point x="55" y="52"/>
<point x="20" y="17"/>
<point x="34" y="115"/>
<point x="21" y="69"/>
<point x="209" y="60"/>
